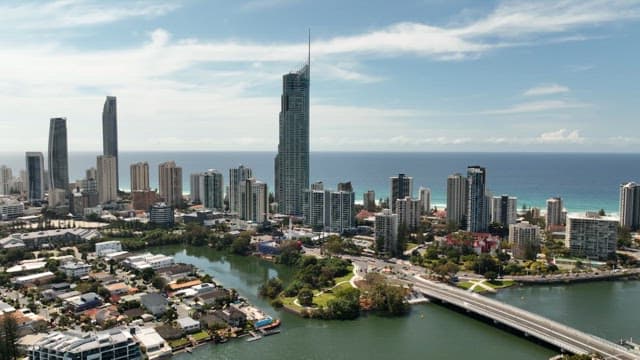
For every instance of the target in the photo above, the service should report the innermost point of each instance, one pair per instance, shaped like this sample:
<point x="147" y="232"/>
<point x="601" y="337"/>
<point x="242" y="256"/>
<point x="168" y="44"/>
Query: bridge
<point x="566" y="338"/>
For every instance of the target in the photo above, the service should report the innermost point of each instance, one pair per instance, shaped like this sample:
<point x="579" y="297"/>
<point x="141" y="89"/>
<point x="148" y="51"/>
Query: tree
<point x="346" y="305"/>
<point x="158" y="282"/>
<point x="9" y="338"/>
<point x="305" y="297"/>
<point x="624" y="236"/>
<point x="490" y="275"/>
<point x="271" y="289"/>
<point x="240" y="245"/>
<point x="602" y="213"/>
<point x="147" y="274"/>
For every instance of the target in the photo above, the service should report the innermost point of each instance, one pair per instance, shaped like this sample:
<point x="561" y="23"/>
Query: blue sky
<point x="414" y="75"/>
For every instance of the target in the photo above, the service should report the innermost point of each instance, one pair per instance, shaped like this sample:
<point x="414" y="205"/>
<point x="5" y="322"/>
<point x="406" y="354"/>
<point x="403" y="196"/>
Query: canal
<point x="606" y="309"/>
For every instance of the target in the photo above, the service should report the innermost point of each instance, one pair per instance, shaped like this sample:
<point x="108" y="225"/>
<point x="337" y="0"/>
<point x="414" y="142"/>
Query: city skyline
<point x="383" y="76"/>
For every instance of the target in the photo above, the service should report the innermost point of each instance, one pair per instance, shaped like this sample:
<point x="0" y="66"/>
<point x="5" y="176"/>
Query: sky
<point x="412" y="75"/>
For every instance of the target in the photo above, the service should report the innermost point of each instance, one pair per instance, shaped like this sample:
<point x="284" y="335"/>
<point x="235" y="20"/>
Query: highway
<point x="564" y="337"/>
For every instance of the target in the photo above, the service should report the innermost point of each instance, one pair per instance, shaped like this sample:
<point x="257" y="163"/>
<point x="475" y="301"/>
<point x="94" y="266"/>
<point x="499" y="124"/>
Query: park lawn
<point x="178" y="342"/>
<point x="323" y="299"/>
<point x="410" y="245"/>
<point x="201" y="335"/>
<point x="499" y="284"/>
<point x="468" y="284"/>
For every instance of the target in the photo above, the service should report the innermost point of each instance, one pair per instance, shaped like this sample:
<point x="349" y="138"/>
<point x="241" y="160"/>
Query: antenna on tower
<point x="309" y="55"/>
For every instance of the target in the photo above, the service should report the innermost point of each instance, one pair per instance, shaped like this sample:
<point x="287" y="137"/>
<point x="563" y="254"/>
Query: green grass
<point x="199" y="336"/>
<point x="499" y="284"/>
<point x="410" y="245"/>
<point x="465" y="284"/>
<point x="178" y="342"/>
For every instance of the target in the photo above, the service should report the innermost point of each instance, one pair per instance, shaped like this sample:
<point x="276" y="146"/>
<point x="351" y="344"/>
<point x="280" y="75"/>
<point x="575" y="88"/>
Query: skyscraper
<point x="477" y="207"/>
<point x="170" y="181"/>
<point x="237" y="178"/>
<point x="525" y="240"/>
<point x="110" y="132"/>
<point x="554" y="216"/>
<point x="504" y="210"/>
<point x="386" y="232"/>
<point x="106" y="178"/>
<point x="408" y="211"/>
<point x="212" y="189"/>
<point x="630" y="206"/>
<point x="425" y="199"/>
<point x="342" y="208"/>
<point x="58" y="159"/>
<point x="195" y="189"/>
<point x="6" y="176"/>
<point x="256" y="201"/>
<point x="456" y="199"/>
<point x="314" y="203"/>
<point x="369" y="200"/>
<point x="292" y="160"/>
<point x="139" y="176"/>
<point x="35" y="176"/>
<point x="401" y="187"/>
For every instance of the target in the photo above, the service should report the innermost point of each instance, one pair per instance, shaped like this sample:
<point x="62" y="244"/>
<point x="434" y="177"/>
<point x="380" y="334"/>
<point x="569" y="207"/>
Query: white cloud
<point x="74" y="13"/>
<point x="161" y="81"/>
<point x="252" y="5"/>
<point x="535" y="107"/>
<point x="546" y="89"/>
<point x="561" y="136"/>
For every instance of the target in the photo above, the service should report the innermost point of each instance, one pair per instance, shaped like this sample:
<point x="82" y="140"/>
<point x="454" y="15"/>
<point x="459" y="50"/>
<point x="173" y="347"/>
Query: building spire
<point x="309" y="54"/>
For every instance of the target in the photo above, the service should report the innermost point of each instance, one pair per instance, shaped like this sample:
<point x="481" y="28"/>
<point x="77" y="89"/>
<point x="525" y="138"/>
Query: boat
<point x="188" y="349"/>
<point x="273" y="325"/>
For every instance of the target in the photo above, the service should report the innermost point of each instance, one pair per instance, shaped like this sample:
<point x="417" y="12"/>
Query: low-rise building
<point x="155" y="303"/>
<point x="116" y="344"/>
<point x="153" y="345"/>
<point x="27" y="266"/>
<point x="10" y="209"/>
<point x="188" y="325"/>
<point x="80" y="303"/>
<point x="148" y="260"/>
<point x="75" y="269"/>
<point x="232" y="316"/>
<point x="161" y="214"/>
<point x="107" y="247"/>
<point x="34" y="279"/>
<point x="50" y="238"/>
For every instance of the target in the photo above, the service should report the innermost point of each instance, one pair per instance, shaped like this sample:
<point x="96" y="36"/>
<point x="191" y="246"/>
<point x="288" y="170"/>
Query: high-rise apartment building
<point x="170" y="183"/>
<point x="237" y="178"/>
<point x="6" y="177"/>
<point x="386" y="232"/>
<point x="456" y="199"/>
<point x="525" y="240"/>
<point x="554" y="216"/>
<point x="139" y="176"/>
<point x="255" y="197"/>
<point x="212" y="189"/>
<point x="292" y="161"/>
<point x="35" y="176"/>
<point x="504" y="210"/>
<point x="424" y="195"/>
<point x="591" y="236"/>
<point x="401" y="186"/>
<point x="107" y="181"/>
<point x="630" y="206"/>
<point x="329" y="210"/>
<point x="110" y="132"/>
<point x="314" y="201"/>
<point x="477" y="213"/>
<point x="369" y="200"/>
<point x="194" y="188"/>
<point x="58" y="159"/>
<point x="408" y="211"/>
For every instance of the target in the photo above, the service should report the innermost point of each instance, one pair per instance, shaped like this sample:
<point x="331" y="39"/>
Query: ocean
<point x="585" y="181"/>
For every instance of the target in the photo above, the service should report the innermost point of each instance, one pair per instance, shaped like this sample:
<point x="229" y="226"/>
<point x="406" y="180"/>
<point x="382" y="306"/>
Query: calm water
<point x="585" y="181"/>
<point x="607" y="309"/>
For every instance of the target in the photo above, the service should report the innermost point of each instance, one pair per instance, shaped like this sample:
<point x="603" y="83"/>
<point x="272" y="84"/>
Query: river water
<point x="606" y="309"/>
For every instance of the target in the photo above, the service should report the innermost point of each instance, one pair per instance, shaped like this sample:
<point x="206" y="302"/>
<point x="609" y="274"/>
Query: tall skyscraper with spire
<point x="58" y="159"/>
<point x="110" y="132"/>
<point x="292" y="160"/>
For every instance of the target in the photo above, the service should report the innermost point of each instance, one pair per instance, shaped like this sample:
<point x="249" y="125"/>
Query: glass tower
<point x="110" y="132"/>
